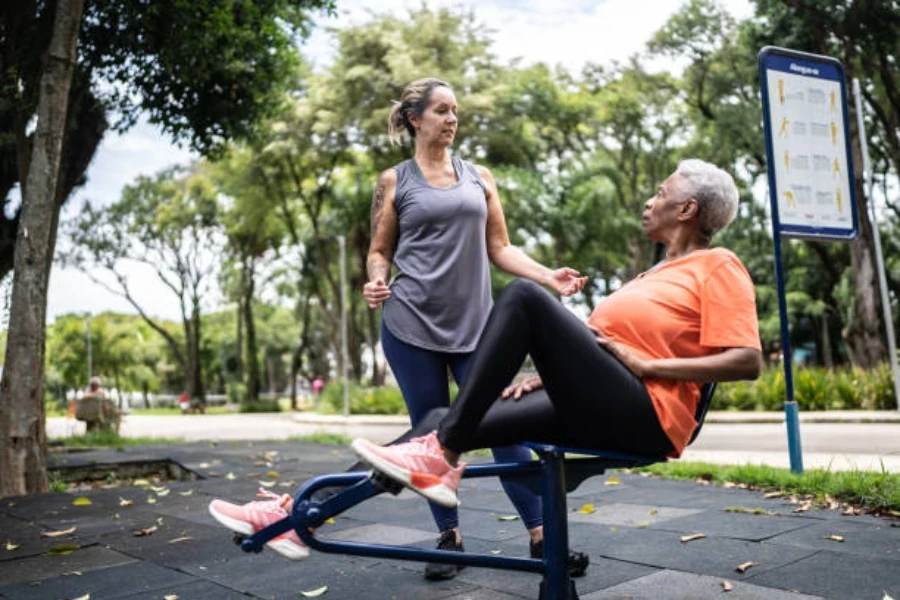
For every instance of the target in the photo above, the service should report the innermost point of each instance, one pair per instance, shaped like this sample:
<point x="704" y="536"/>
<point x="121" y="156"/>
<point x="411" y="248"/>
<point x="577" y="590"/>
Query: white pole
<point x="343" y="244"/>
<point x="879" y="259"/>
<point x="90" y="367"/>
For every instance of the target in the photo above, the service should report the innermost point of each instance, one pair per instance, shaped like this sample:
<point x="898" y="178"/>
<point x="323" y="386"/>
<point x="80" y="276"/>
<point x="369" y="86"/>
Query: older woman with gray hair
<point x="627" y="380"/>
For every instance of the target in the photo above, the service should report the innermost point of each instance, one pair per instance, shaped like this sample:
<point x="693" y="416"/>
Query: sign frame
<point x="773" y="58"/>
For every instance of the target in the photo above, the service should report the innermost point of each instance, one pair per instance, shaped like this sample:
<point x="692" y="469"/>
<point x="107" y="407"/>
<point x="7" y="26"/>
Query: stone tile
<point x="836" y="575"/>
<point x="734" y="525"/>
<point x="674" y="585"/>
<point x="383" y="534"/>
<point x="860" y="537"/>
<point x="101" y="584"/>
<point x="709" y="556"/>
<point x="194" y="590"/>
<point x="629" y="515"/>
<point x="37" y="568"/>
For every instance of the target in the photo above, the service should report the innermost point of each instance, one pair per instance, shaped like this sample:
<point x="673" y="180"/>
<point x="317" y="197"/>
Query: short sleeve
<point x="728" y="308"/>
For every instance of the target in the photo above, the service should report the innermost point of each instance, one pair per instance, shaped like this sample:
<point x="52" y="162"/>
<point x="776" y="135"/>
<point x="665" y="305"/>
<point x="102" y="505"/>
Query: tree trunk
<point x="251" y="362"/>
<point x="195" y="369"/>
<point x="23" y="460"/>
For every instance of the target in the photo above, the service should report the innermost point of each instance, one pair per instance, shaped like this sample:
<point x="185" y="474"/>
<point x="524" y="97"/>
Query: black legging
<point x="589" y="400"/>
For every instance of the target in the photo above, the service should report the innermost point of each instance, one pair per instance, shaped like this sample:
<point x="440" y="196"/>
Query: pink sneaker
<point x="253" y="516"/>
<point x="418" y="464"/>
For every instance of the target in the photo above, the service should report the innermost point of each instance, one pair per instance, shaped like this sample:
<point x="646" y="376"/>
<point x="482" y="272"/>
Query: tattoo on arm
<point x="378" y="268"/>
<point x="377" y="207"/>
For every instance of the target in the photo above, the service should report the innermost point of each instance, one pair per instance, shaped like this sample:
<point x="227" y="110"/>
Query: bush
<point x="260" y="406"/>
<point x="384" y="400"/>
<point x="815" y="388"/>
<point x="236" y="392"/>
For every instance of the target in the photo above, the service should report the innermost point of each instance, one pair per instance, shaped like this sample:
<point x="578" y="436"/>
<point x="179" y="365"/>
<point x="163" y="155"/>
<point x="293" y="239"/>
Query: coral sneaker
<point x="253" y="516"/>
<point x="418" y="464"/>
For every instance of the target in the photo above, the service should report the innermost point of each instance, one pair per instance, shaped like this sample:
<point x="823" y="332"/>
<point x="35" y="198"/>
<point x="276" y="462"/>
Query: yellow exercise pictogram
<point x="839" y="200"/>
<point x="789" y="198"/>
<point x="833" y="134"/>
<point x="781" y="91"/>
<point x="833" y="98"/>
<point x="787" y="160"/>
<point x="836" y="167"/>
<point x="783" y="130"/>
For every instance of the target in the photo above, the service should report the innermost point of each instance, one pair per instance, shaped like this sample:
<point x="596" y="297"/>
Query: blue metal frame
<point x="772" y="58"/>
<point x="553" y="475"/>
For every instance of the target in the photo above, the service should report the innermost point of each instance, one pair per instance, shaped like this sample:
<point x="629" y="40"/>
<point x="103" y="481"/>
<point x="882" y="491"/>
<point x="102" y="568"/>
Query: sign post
<point x="811" y="189"/>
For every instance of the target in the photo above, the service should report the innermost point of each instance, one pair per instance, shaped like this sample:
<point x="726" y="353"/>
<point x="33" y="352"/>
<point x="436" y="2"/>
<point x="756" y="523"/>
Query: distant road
<point x="841" y="446"/>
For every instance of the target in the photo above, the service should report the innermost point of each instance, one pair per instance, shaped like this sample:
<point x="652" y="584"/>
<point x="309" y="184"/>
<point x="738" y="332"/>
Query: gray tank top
<point x="441" y="295"/>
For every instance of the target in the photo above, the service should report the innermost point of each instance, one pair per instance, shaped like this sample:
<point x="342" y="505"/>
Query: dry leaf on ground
<point x="726" y="586"/>
<point x="587" y="509"/>
<point x="53" y="534"/>
<point x="835" y="538"/>
<point x="171" y="597"/>
<point x="62" y="549"/>
<point x="692" y="537"/>
<point x="180" y="539"/>
<point x="144" y="532"/>
<point x="613" y="481"/>
<point x="85" y="597"/>
<point x="124" y="502"/>
<point x="10" y="546"/>
<point x="315" y="593"/>
<point x="81" y="501"/>
<point x="742" y="568"/>
<point x="508" y="518"/>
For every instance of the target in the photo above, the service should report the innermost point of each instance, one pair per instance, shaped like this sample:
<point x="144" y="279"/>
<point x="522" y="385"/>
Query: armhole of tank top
<point x="473" y="171"/>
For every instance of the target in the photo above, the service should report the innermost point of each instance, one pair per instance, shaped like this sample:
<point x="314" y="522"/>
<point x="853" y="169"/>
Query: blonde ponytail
<point x="413" y="101"/>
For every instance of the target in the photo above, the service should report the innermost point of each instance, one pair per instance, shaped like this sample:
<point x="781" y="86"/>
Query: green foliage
<point x="322" y="437"/>
<point x="815" y="388"/>
<point x="260" y="406"/>
<point x="383" y="400"/>
<point x="106" y="438"/>
<point x="878" y="491"/>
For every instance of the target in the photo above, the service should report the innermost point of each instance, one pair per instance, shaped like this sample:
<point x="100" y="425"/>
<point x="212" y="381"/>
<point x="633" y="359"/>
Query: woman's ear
<point x="690" y="209"/>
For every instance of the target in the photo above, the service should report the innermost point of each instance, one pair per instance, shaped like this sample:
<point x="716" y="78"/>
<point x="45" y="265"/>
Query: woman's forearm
<point x="378" y="266"/>
<point x="731" y="364"/>
<point x="515" y="262"/>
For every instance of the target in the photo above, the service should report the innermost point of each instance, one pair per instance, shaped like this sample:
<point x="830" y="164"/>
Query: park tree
<point x="202" y="89"/>
<point x="170" y="224"/>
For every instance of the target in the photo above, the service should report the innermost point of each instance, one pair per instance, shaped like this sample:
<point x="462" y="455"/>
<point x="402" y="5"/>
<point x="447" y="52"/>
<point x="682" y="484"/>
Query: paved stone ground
<point x="633" y="538"/>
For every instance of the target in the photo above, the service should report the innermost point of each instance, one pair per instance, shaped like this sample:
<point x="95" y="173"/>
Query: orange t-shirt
<point x="693" y="306"/>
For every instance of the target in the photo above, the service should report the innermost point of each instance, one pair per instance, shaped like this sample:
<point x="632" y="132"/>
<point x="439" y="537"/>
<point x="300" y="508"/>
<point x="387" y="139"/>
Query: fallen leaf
<point x="181" y="539"/>
<point x="62" y="549"/>
<point x="315" y="593"/>
<point x="267" y="484"/>
<point x="117" y="516"/>
<point x="329" y="521"/>
<point x="53" y="534"/>
<point x="692" y="537"/>
<point x="273" y="475"/>
<point x="613" y="481"/>
<point x="163" y="493"/>
<point x="496" y="551"/>
<point x="886" y="597"/>
<point x="587" y="509"/>
<point x="773" y="495"/>
<point x="124" y="502"/>
<point x="158" y="488"/>
<point x="742" y="568"/>
<point x="170" y="597"/>
<point x="81" y="501"/>
<point x="144" y="532"/>
<point x="835" y="538"/>
<point x="654" y="512"/>
<point x="204" y="465"/>
<point x="187" y="493"/>
<point x="85" y="597"/>
<point x="151" y="500"/>
<point x="508" y="518"/>
<point x="230" y="477"/>
<point x="10" y="546"/>
<point x="729" y="484"/>
<point x="79" y="573"/>
<point x="726" y="586"/>
<point x="140" y="483"/>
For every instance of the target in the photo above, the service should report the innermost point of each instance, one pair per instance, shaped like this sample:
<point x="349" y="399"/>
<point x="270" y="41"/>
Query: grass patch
<point x="322" y="437"/>
<point x="870" y="490"/>
<point x="110" y="439"/>
<point x="172" y="411"/>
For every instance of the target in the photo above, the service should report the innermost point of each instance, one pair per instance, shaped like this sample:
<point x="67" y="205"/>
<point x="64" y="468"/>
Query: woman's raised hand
<point x="566" y="281"/>
<point x="376" y="292"/>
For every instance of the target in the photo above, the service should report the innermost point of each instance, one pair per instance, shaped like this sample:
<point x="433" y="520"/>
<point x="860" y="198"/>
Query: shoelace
<point x="417" y="445"/>
<point x="272" y="504"/>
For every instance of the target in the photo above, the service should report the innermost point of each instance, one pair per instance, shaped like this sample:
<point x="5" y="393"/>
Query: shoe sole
<point x="285" y="547"/>
<point x="439" y="494"/>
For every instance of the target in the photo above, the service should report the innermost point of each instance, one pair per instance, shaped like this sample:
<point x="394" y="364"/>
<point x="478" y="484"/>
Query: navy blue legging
<point x="422" y="377"/>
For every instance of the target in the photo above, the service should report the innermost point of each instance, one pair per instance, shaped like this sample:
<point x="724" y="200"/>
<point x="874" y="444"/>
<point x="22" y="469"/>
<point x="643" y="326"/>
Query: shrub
<point x="815" y="388"/>
<point x="383" y="400"/>
<point x="260" y="406"/>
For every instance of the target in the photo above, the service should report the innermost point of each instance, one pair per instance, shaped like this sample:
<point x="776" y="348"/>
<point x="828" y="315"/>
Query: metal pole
<point x="879" y="259"/>
<point x="90" y="366"/>
<point x="343" y="245"/>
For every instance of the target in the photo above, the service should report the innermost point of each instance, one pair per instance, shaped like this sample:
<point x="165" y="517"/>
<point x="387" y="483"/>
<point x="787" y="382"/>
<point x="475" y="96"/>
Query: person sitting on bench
<point x="629" y="379"/>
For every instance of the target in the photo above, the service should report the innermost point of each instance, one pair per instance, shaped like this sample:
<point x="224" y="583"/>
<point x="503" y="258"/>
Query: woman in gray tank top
<point x="437" y="219"/>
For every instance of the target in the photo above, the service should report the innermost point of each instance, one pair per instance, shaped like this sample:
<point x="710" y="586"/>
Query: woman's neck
<point x="676" y="251"/>
<point x="432" y="156"/>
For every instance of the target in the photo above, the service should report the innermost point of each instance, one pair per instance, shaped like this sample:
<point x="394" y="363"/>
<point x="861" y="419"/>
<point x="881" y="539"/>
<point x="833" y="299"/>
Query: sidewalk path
<point x="830" y="440"/>
<point x="633" y="537"/>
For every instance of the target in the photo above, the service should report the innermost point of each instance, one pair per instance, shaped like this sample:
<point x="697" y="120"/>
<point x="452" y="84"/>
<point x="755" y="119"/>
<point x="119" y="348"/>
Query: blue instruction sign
<point x="807" y="134"/>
